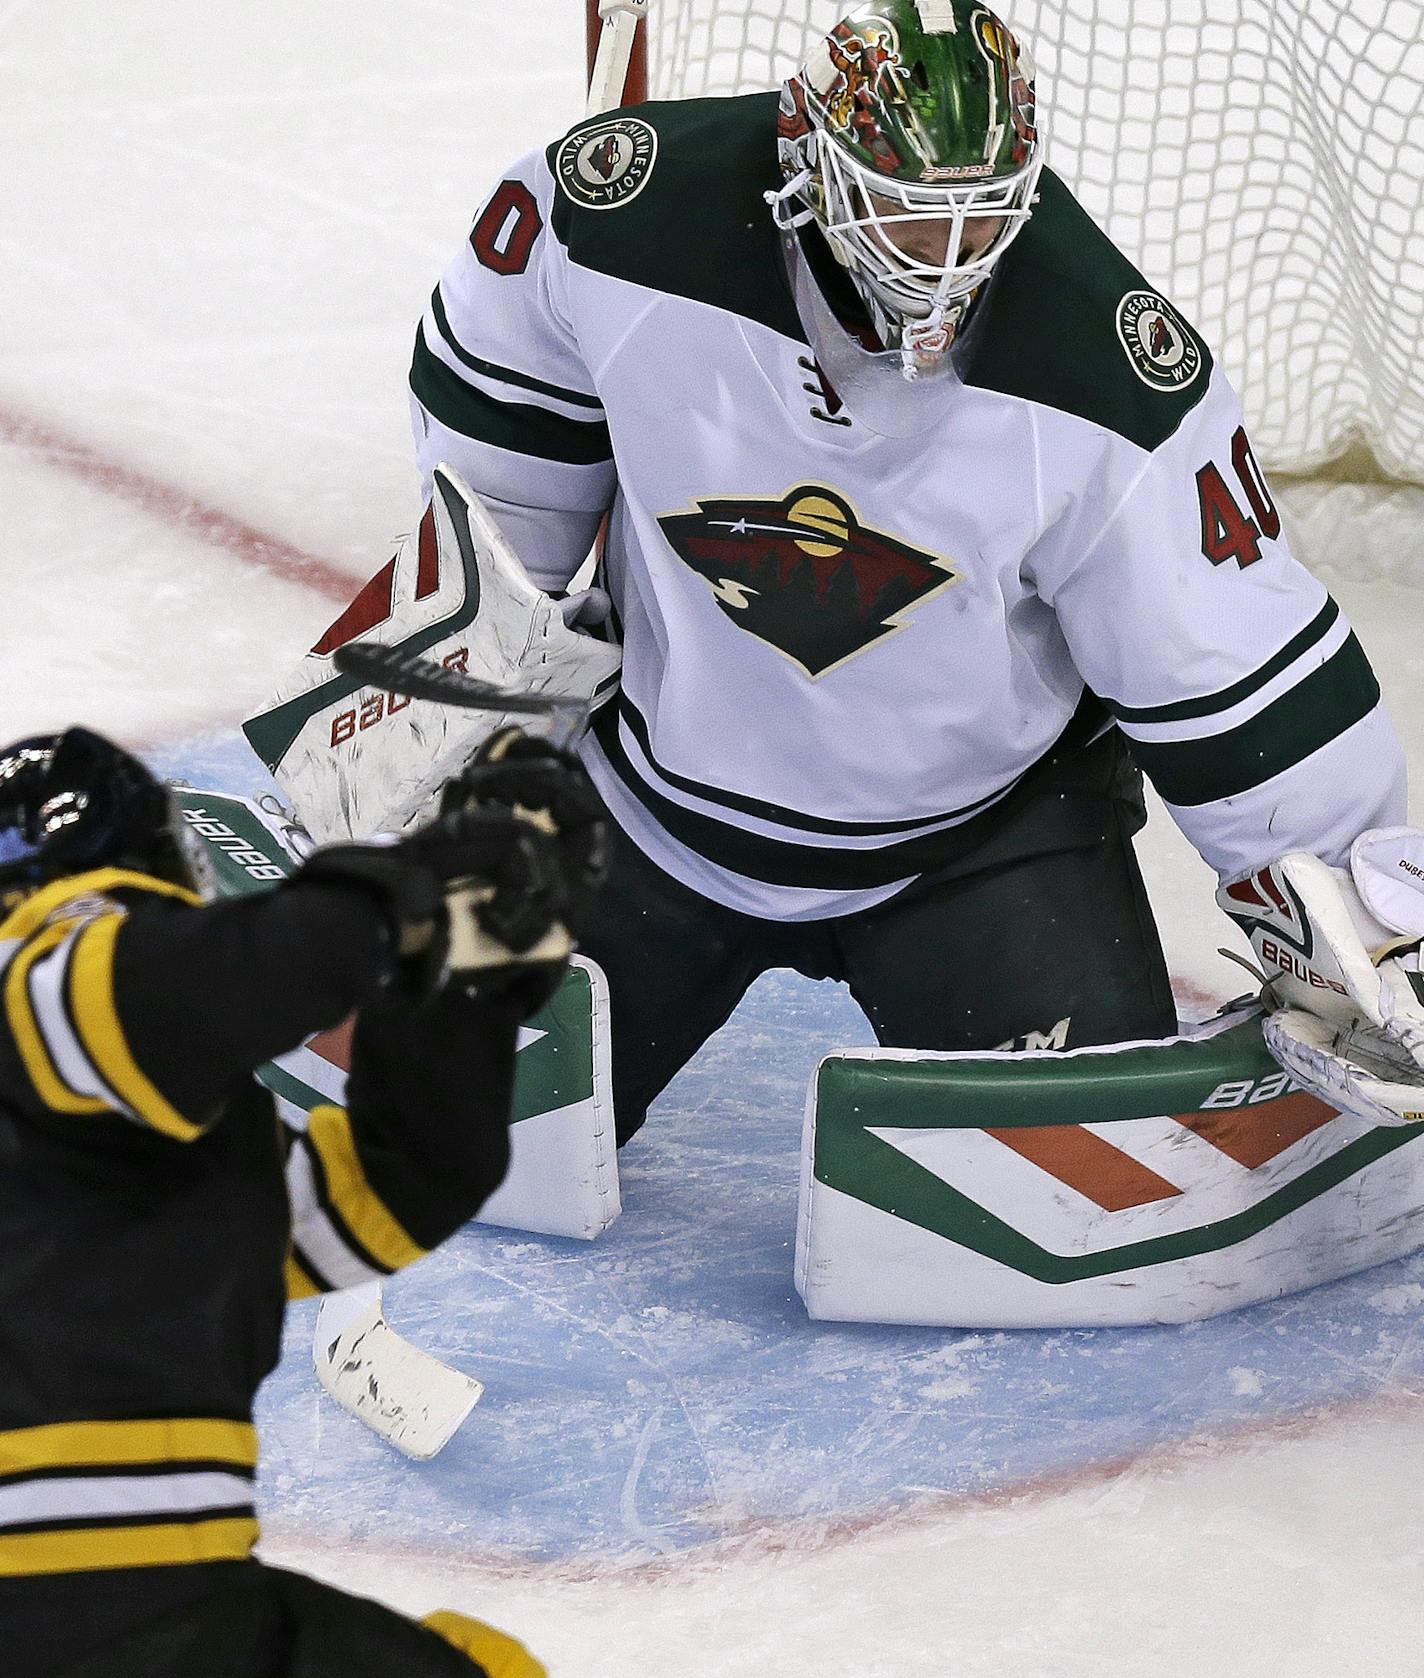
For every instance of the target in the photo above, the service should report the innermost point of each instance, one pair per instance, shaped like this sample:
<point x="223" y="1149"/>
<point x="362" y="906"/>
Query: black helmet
<point x="75" y="801"/>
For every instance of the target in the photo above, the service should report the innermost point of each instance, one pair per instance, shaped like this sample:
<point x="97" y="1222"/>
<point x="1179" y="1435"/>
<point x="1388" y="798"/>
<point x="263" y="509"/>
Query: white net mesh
<point x="1262" y="160"/>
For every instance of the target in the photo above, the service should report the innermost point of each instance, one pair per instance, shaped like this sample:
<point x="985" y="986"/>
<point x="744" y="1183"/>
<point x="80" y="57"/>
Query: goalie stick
<point x="608" y="80"/>
<point x="410" y="1398"/>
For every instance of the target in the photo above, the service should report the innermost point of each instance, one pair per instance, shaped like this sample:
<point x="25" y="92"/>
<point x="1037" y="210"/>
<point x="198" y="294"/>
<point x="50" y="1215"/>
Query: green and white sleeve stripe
<point x="1298" y="755"/>
<point x="502" y="412"/>
<point x="1217" y="745"/>
<point x="500" y="392"/>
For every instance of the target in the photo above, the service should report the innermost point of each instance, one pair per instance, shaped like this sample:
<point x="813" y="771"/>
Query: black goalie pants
<point x="1047" y="921"/>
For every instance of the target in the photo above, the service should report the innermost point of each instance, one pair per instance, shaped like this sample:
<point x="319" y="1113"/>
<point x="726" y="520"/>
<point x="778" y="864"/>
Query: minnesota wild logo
<point x="607" y="166"/>
<point x="1159" y="343"/>
<point x="804" y="574"/>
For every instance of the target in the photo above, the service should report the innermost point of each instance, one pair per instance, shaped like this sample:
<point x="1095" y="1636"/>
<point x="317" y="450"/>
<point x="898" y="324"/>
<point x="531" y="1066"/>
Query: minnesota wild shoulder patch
<point x="1162" y="348"/>
<point x="608" y="165"/>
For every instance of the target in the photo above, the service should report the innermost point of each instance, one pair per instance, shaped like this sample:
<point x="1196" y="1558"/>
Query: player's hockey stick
<point x="417" y="678"/>
<point x="410" y="1398"/>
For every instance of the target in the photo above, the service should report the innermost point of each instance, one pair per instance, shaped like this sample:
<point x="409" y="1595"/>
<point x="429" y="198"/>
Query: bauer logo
<point x="1160" y="345"/>
<point x="605" y="167"/>
<point x="237" y="848"/>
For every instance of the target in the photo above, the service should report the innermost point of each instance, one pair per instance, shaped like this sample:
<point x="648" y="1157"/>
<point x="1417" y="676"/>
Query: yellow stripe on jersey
<point x="92" y="990"/>
<point x="29" y="1039"/>
<point x="299" y="1284"/>
<point x="494" y="1651"/>
<point x="46" y="904"/>
<point x="178" y="1439"/>
<point x="353" y="1199"/>
<point x="164" y="1544"/>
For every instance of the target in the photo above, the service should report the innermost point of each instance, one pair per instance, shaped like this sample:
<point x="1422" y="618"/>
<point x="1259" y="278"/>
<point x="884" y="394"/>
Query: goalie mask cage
<point x="1260" y="160"/>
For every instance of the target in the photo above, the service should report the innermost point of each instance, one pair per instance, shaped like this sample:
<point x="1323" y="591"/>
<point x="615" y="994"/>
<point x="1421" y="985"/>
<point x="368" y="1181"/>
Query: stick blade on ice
<point x="411" y="1399"/>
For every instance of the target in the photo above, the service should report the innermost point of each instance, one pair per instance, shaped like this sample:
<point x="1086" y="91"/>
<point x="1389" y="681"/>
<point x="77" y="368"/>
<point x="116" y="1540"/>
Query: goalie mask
<point x="909" y="138"/>
<point x="73" y="802"/>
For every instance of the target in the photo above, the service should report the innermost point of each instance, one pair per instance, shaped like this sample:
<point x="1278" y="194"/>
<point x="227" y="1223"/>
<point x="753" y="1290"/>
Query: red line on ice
<point x="812" y="1535"/>
<point x="175" y="506"/>
<point x="183" y="510"/>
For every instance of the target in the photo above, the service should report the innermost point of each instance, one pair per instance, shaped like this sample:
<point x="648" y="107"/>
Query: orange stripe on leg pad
<point x="1082" y="1161"/>
<point x="1253" y="1135"/>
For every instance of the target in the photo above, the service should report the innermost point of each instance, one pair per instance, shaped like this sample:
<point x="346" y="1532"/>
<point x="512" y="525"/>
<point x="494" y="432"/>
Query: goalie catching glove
<point x="488" y="896"/>
<point x="1340" y="953"/>
<point x="350" y="758"/>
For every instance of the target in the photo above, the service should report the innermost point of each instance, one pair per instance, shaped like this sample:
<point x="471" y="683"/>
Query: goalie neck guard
<point x="73" y="802"/>
<point x="909" y="138"/>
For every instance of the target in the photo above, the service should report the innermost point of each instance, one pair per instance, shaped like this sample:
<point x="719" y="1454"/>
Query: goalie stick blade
<point x="418" y="678"/>
<point x="411" y="1399"/>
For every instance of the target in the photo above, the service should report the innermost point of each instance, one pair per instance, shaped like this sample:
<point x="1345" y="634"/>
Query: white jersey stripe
<point x="722" y="885"/>
<point x="511" y="379"/>
<point x="776" y="831"/>
<point x="1222" y="722"/>
<point x="46" y="983"/>
<point x="101" y="1497"/>
<point x="315" y="1238"/>
<point x="328" y="1080"/>
<point x="501" y="390"/>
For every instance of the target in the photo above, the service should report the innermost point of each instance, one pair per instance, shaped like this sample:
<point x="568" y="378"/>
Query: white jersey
<point x="845" y="653"/>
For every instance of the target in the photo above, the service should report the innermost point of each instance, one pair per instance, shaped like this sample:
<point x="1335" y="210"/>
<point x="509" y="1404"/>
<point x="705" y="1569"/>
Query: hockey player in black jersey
<point x="156" y="1213"/>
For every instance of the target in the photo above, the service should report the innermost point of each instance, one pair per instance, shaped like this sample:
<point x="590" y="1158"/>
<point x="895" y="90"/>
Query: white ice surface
<point x="1296" y="1553"/>
<point x="217" y="226"/>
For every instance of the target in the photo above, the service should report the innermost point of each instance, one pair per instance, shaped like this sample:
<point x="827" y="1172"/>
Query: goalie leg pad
<point x="1134" y="1183"/>
<point x="563" y="1173"/>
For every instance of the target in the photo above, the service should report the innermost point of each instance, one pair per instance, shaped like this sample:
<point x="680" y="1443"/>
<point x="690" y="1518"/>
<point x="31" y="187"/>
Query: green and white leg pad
<point x="1138" y="1183"/>
<point x="563" y="1174"/>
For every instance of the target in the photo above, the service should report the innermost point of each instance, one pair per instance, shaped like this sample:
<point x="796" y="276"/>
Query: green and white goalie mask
<point x="909" y="137"/>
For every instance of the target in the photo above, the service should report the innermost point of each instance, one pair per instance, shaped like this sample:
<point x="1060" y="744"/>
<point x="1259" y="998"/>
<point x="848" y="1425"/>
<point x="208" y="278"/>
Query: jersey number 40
<point x="1228" y="532"/>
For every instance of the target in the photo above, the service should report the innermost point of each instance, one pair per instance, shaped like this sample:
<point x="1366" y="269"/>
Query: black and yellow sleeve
<point x="343" y="1232"/>
<point x="59" y="1004"/>
<point x="124" y="995"/>
<point x="421" y="1145"/>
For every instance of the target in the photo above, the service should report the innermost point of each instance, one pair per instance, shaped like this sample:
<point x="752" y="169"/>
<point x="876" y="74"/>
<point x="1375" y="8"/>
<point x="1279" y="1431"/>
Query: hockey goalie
<point x="932" y="525"/>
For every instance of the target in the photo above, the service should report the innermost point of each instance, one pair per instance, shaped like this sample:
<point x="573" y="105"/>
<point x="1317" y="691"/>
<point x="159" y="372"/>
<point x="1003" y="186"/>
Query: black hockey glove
<point x="487" y="895"/>
<point x="517" y="932"/>
<point x="529" y="778"/>
<point x="411" y="877"/>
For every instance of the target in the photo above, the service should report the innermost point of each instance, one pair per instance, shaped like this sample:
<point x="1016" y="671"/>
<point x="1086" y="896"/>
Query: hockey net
<point x="1261" y="160"/>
